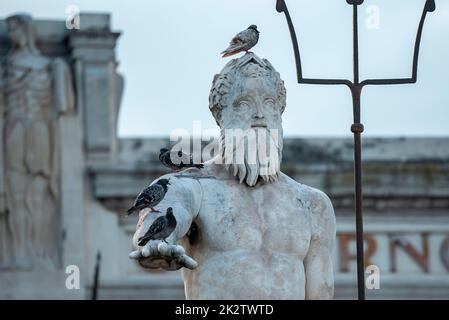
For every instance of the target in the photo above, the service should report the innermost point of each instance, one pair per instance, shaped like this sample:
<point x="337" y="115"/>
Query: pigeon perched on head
<point x="160" y="229"/>
<point x="150" y="196"/>
<point x="243" y="41"/>
<point x="164" y="157"/>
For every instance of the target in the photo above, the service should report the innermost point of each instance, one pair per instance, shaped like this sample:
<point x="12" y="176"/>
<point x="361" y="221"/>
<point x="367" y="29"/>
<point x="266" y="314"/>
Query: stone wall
<point x="86" y="135"/>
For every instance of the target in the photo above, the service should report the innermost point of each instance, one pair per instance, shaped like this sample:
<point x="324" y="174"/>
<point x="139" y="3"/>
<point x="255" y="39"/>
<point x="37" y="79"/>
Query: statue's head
<point x="249" y="95"/>
<point x="22" y="33"/>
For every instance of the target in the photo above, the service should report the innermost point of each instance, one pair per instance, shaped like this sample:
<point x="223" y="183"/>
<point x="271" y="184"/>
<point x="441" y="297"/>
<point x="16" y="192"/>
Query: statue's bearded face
<point x="254" y="104"/>
<point x="247" y="99"/>
<point x="251" y="129"/>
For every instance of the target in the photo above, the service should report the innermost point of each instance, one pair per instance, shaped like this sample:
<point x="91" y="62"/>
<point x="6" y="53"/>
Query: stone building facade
<point x="86" y="136"/>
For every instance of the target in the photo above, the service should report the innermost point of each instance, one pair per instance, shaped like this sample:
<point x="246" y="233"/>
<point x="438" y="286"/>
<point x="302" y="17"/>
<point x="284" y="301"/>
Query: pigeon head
<point x="170" y="216"/>
<point x="164" y="183"/>
<point x="253" y="27"/>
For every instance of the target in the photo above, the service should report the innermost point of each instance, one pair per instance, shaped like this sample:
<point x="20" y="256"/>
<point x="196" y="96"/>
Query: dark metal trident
<point x="357" y="128"/>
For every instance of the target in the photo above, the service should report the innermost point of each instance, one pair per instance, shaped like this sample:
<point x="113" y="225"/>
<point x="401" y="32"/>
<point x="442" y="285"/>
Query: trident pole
<point x="357" y="127"/>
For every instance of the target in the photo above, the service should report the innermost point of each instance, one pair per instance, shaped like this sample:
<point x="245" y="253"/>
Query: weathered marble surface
<point x="245" y="233"/>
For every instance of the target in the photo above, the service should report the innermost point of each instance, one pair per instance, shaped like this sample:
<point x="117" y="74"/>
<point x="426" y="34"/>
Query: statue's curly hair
<point x="248" y="65"/>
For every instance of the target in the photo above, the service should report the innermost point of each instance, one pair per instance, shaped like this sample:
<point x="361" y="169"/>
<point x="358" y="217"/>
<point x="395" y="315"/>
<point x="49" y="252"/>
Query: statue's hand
<point x="158" y="254"/>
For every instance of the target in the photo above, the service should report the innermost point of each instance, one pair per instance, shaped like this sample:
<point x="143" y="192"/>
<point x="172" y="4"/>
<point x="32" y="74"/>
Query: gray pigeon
<point x="150" y="196"/>
<point x="164" y="157"/>
<point x="243" y="41"/>
<point x="160" y="229"/>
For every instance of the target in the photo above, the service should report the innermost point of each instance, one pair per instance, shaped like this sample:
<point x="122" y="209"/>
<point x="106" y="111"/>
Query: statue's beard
<point x="253" y="154"/>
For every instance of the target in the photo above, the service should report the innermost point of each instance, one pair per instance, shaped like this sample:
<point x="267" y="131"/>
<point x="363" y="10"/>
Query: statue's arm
<point x="318" y="262"/>
<point x="184" y="196"/>
<point x="63" y="92"/>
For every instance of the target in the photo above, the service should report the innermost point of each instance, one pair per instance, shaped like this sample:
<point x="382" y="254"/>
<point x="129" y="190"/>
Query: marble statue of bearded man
<point x="244" y="229"/>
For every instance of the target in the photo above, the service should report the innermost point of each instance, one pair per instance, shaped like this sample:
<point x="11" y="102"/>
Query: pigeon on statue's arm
<point x="151" y="196"/>
<point x="184" y="198"/>
<point x="160" y="229"/>
<point x="166" y="159"/>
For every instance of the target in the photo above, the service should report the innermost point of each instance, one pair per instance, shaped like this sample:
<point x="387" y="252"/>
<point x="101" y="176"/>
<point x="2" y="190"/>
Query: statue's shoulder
<point x="190" y="172"/>
<point x="319" y="205"/>
<point x="318" y="201"/>
<point x="186" y="179"/>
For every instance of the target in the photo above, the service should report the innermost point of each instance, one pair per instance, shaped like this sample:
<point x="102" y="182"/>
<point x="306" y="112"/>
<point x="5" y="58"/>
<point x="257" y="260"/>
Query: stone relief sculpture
<point x="244" y="229"/>
<point x="36" y="91"/>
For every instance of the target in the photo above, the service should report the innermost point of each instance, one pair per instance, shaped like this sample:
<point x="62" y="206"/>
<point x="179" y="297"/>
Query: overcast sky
<point x="169" y="52"/>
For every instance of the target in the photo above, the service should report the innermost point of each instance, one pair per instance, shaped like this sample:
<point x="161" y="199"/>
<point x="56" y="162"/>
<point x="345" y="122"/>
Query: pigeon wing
<point x="164" y="158"/>
<point x="238" y="43"/>
<point x="158" y="225"/>
<point x="149" y="196"/>
<point x="155" y="193"/>
<point x="140" y="199"/>
<point x="237" y="40"/>
<point x="245" y="35"/>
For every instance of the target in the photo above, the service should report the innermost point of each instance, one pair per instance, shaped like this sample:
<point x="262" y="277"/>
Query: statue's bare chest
<point x="266" y="218"/>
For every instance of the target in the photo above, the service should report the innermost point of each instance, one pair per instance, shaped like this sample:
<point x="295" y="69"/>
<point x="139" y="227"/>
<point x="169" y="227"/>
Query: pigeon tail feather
<point x="233" y="49"/>
<point x="143" y="241"/>
<point x="230" y="52"/>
